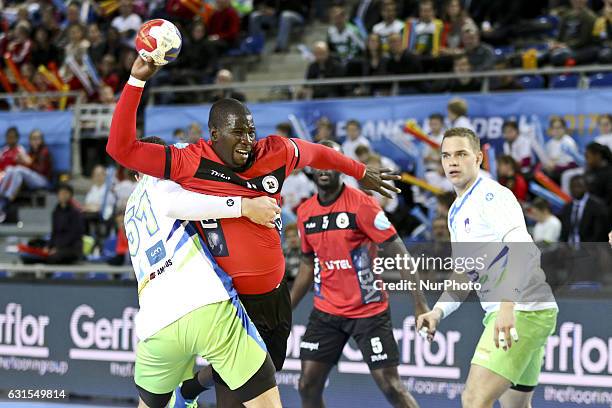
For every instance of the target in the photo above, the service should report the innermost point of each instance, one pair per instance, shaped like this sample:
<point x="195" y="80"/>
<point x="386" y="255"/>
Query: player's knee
<point x="393" y="389"/>
<point x="310" y="387"/>
<point x="472" y="399"/>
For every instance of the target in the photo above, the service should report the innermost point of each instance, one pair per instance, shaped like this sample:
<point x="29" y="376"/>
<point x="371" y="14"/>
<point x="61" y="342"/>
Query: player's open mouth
<point x="243" y="152"/>
<point x="454" y="173"/>
<point x="323" y="178"/>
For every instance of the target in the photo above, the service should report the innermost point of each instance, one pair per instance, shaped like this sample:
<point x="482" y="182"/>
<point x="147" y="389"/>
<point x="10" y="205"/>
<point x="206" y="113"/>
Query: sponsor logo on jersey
<point x="156" y="253"/>
<point x="381" y="222"/>
<point x="342" y="221"/>
<point x="215" y="173"/>
<point x="270" y="184"/>
<point x="230" y="202"/>
<point x="466" y="225"/>
<point x="489" y="196"/>
<point x="337" y="264"/>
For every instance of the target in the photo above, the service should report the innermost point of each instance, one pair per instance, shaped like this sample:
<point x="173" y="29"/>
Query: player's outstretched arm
<point x="326" y="158"/>
<point x="196" y="206"/>
<point x="396" y="248"/>
<point x="304" y="279"/>
<point x="122" y="145"/>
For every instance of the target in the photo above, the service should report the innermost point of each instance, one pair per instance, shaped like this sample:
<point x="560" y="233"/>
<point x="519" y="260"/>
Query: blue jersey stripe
<point x="455" y="210"/>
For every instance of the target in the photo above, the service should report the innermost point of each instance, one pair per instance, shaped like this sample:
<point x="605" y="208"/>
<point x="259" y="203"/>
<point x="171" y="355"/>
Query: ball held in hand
<point x="160" y="40"/>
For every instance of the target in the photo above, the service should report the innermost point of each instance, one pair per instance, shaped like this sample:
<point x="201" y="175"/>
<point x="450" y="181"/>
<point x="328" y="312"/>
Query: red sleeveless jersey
<point x="343" y="237"/>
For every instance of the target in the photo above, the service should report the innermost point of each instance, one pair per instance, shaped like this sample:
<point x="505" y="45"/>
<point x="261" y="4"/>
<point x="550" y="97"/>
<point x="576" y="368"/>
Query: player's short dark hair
<point x="466" y="133"/>
<point x="507" y="159"/>
<point x="222" y="108"/>
<point x="153" y="140"/>
<point x="541" y="204"/>
<point x="353" y="122"/>
<point x="437" y="116"/>
<point x="510" y="123"/>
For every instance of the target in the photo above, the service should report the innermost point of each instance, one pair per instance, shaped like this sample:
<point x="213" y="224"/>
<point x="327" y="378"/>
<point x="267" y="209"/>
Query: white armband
<point x="136" y="82"/>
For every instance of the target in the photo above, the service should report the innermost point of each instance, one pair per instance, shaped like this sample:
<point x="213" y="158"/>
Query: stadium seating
<point x="565" y="81"/>
<point x="600" y="80"/>
<point x="532" y="81"/>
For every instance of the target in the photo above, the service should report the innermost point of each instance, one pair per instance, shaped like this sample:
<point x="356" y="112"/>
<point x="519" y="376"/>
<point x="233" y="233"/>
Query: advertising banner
<point x="80" y="339"/>
<point x="383" y="118"/>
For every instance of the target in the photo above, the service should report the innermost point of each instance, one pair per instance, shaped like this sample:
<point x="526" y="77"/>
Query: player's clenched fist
<point x="142" y="69"/>
<point x="428" y="322"/>
<point x="261" y="210"/>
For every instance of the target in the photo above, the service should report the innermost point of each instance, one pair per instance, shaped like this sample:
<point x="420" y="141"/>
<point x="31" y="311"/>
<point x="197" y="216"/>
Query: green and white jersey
<point x="480" y="222"/>
<point x="175" y="271"/>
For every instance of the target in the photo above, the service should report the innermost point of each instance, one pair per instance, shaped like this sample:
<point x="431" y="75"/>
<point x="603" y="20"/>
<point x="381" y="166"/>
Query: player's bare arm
<point x="303" y="280"/>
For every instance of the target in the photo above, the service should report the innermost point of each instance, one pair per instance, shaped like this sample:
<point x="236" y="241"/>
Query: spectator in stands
<point x="585" y="218"/>
<point x="20" y="48"/>
<point x="106" y="96"/>
<point x="461" y="65"/>
<point x="373" y="63"/>
<point x="481" y="55"/>
<point x="343" y="38"/>
<point x="32" y="170"/>
<point x="516" y="145"/>
<point x="435" y="123"/>
<point x="107" y="70"/>
<point x="548" y="227"/>
<point x="423" y="36"/>
<point x="291" y="251"/>
<point x="117" y="256"/>
<point x="196" y="69"/>
<point x="49" y="22"/>
<point x="324" y="66"/>
<point x="354" y="138"/>
<point x="78" y="44"/>
<point x="284" y="129"/>
<point x="66" y="244"/>
<point x="325" y="130"/>
<point x="574" y="43"/>
<point x="435" y="176"/>
<point x="602" y="33"/>
<point x="504" y="82"/>
<point x="12" y="149"/>
<point x="560" y="148"/>
<point x="223" y="27"/>
<point x="288" y="13"/>
<point x="598" y="173"/>
<point x="127" y="22"/>
<point x="194" y="132"/>
<point x="403" y="62"/>
<point x="509" y="176"/>
<point x="364" y="154"/>
<point x="113" y="42"/>
<point x="73" y="16"/>
<point x="99" y="203"/>
<point x="123" y="188"/>
<point x="44" y="49"/>
<point x="605" y="130"/>
<point x="454" y="18"/>
<point x="457" y="110"/>
<point x="390" y="24"/>
<point x="225" y="77"/>
<point x="296" y="188"/>
<point x="439" y="230"/>
<point x="97" y="43"/>
<point x="179" y="135"/>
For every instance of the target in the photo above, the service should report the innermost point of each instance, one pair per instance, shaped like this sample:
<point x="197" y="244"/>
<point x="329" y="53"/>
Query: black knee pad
<point x="153" y="400"/>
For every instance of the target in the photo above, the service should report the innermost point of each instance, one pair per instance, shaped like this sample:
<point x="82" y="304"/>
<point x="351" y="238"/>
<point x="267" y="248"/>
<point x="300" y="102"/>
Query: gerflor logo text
<point x="22" y="334"/>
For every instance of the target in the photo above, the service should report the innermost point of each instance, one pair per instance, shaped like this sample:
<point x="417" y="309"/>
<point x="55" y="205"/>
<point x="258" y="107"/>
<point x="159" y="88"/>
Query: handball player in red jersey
<point x="234" y="163"/>
<point x="341" y="229"/>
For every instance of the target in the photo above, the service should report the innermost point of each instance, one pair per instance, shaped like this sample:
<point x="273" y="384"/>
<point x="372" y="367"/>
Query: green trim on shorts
<point x="522" y="363"/>
<point x="214" y="332"/>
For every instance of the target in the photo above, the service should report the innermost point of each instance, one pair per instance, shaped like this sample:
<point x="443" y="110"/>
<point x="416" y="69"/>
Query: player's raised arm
<point x="325" y="158"/>
<point x="122" y="144"/>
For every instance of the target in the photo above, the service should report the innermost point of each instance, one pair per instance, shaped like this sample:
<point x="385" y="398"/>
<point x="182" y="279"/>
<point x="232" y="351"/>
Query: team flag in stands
<point x="413" y="129"/>
<point x="555" y="201"/>
<point x="551" y="186"/>
<point x="23" y="83"/>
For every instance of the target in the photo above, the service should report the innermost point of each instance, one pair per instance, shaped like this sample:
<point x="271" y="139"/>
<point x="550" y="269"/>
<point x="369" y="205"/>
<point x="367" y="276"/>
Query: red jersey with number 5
<point x="344" y="238"/>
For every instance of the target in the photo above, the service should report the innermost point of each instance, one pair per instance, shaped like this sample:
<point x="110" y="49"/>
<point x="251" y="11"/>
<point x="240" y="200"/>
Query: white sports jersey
<point x="478" y="221"/>
<point x="175" y="271"/>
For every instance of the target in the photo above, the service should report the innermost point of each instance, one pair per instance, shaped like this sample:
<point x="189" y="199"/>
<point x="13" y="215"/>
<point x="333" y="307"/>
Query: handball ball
<point x="160" y="40"/>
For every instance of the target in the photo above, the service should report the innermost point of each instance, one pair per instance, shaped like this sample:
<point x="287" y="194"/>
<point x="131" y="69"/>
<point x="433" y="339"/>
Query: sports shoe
<point x="177" y="400"/>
